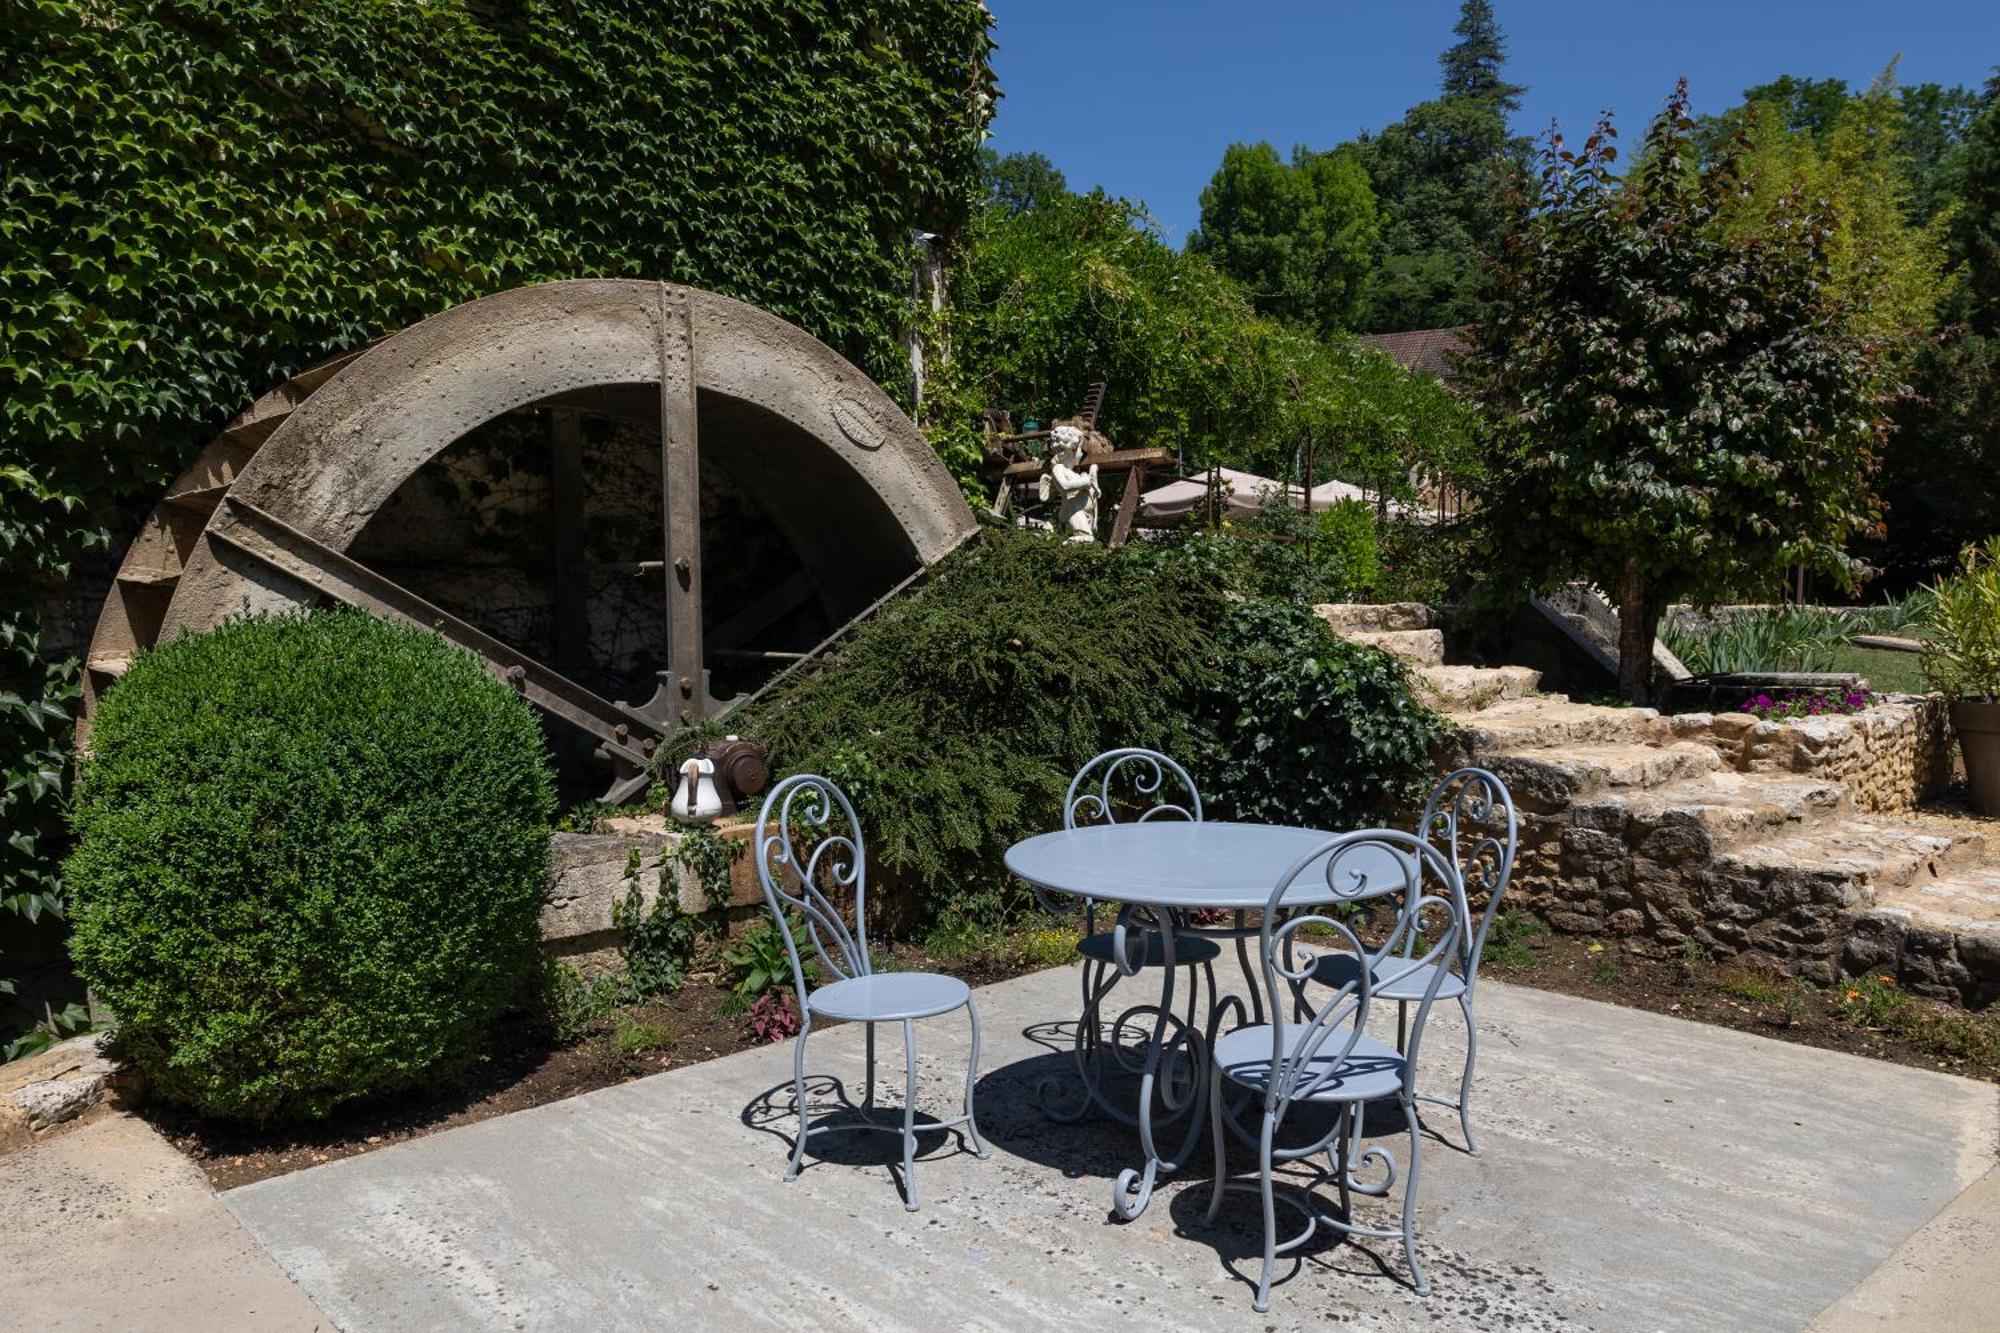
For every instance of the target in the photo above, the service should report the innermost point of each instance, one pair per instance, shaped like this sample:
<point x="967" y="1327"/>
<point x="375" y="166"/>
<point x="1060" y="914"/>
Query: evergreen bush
<point x="1301" y="726"/>
<point x="955" y="719"/>
<point x="311" y="857"/>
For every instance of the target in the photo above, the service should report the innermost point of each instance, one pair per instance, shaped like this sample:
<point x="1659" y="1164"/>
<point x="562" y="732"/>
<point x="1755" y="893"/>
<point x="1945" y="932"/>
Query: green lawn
<point x="1886" y="671"/>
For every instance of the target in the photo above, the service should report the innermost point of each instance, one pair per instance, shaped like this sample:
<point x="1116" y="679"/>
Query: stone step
<point x="1467" y="689"/>
<point x="1418" y="647"/>
<point x="1852" y="862"/>
<point x="1938" y="938"/>
<point x="1544" y="722"/>
<point x="1702" y="816"/>
<point x="1964" y="897"/>
<point x="1375" y="618"/>
<point x="1544" y="780"/>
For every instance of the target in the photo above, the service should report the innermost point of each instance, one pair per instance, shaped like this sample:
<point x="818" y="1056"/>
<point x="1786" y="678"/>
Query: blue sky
<point x="1142" y="97"/>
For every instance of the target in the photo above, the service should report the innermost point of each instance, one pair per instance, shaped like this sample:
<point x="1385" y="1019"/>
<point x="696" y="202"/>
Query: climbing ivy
<point x="658" y="938"/>
<point x="204" y="196"/>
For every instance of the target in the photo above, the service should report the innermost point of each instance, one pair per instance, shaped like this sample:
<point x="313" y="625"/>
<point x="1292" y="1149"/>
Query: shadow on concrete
<point x="845" y="1132"/>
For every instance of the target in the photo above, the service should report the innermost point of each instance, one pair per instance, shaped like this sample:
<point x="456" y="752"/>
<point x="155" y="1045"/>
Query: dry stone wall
<point x="1891" y="756"/>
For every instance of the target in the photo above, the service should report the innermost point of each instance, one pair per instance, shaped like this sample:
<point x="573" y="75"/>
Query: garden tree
<point x="1811" y="107"/>
<point x="1935" y="122"/>
<point x="1081" y="288"/>
<point x="1941" y="471"/>
<point x="1975" y="231"/>
<point x="1678" y="413"/>
<point x="1472" y="65"/>
<point x="1438" y="179"/>
<point x="1017" y="181"/>
<point x="1940" y="481"/>
<point x="1390" y="425"/>
<point x="1930" y="121"/>
<point x="1888" y="272"/>
<point x="1299" y="236"/>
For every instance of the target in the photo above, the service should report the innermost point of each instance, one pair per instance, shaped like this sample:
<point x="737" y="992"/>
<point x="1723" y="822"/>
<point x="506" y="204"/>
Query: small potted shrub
<point x="1962" y="662"/>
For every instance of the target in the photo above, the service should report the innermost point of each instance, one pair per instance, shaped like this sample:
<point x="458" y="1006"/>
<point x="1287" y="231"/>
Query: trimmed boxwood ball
<point x="311" y="857"/>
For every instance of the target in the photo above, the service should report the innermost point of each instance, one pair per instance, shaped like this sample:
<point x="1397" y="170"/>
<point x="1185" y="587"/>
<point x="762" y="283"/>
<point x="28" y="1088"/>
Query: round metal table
<point x="1160" y="873"/>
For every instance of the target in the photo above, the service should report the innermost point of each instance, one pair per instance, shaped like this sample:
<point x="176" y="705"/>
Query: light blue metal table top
<point x="1174" y="864"/>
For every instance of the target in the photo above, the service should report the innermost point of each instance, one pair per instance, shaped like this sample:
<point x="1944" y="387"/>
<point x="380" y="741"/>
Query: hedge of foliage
<point x="204" y="196"/>
<point x="956" y="718"/>
<point x="1300" y="726"/>
<point x="1053" y="293"/>
<point x="311" y="856"/>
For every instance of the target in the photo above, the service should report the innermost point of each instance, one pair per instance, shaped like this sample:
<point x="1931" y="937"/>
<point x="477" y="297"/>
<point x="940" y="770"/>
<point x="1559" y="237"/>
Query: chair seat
<point x="1406" y="982"/>
<point x="1188" y="949"/>
<point x="1372" y="1069"/>
<point x="889" y="997"/>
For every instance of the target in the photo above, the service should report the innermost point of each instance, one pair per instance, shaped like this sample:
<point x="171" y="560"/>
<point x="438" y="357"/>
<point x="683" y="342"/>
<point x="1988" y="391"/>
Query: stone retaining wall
<point x="588" y="872"/>
<point x="1891" y="756"/>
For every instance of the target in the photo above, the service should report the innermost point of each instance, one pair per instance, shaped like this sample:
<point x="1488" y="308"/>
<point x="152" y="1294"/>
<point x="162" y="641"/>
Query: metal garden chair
<point x="810" y="855"/>
<point x="1470" y="819"/>
<point x="1136" y="784"/>
<point x="1325" y="1056"/>
<point x="1133" y="782"/>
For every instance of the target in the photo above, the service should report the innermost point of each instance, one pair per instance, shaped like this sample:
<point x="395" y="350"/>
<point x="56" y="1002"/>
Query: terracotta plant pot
<point x="1977" y="722"/>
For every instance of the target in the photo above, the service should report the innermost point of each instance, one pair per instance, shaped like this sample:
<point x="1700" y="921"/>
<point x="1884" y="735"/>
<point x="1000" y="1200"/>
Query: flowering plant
<point x="1805" y="703"/>
<point x="772" y="1017"/>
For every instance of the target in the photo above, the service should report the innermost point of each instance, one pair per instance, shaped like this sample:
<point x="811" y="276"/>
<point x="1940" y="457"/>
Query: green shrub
<point x="955" y="718"/>
<point x="1346" y="552"/>
<point x="1962" y="622"/>
<point x="1304" y="727"/>
<point x="311" y="854"/>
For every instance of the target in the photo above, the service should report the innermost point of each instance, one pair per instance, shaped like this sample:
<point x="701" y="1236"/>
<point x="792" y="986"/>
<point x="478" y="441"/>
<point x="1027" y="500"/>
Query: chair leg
<point x="1263" y="1301"/>
<point x="980" y="1150"/>
<point x="1221" y="1145"/>
<point x="1465" y="1081"/>
<point x="799" y="1093"/>
<point x="1402" y="1026"/>
<point x="1343" y="1160"/>
<point x="1421" y="1284"/>
<point x="910" y="1116"/>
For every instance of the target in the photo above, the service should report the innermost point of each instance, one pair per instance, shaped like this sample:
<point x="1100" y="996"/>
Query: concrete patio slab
<point x="108" y="1228"/>
<point x="1944" y="1279"/>
<point x="1640" y="1173"/>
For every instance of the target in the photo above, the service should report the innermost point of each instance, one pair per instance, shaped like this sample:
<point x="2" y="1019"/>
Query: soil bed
<point x="1862" y="1017"/>
<point x="525" y="1069"/>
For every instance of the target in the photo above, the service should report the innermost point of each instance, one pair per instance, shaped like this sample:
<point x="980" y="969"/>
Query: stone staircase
<point x="1776" y="843"/>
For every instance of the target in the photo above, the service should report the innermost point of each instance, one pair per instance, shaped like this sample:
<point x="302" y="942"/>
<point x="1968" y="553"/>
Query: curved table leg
<point x="1132" y="1191"/>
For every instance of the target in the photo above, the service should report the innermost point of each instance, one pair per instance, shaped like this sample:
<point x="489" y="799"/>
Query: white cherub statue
<point x="1076" y="485"/>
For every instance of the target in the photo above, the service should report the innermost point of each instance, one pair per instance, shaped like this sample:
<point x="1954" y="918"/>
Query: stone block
<point x="1375" y="618"/>
<point x="58" y="1085"/>
<point x="1979" y="951"/>
<point x="588" y="872"/>
<point x="1730" y="726"/>
<point x="1876" y="942"/>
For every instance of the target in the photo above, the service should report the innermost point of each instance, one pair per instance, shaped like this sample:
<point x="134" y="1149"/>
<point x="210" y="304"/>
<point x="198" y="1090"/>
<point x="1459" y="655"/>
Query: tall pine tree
<point x="1437" y="175"/>
<point x="1472" y="67"/>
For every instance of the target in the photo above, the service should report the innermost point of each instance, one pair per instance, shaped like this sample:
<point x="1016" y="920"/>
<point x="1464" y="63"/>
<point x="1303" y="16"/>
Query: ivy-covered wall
<point x="203" y="196"/>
